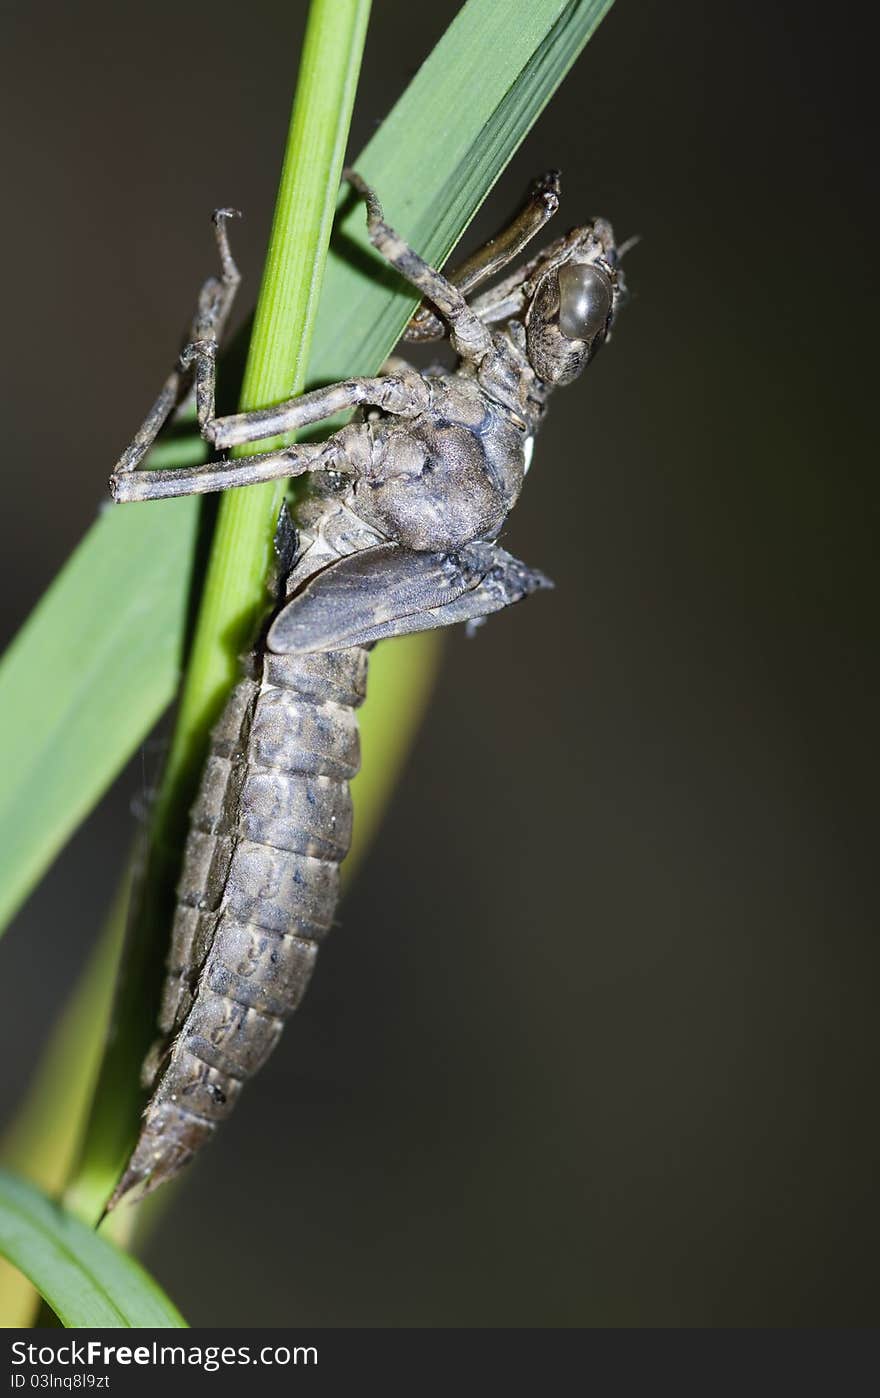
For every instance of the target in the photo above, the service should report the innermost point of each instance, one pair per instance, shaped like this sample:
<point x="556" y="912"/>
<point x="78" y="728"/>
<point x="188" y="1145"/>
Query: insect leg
<point x="508" y="298"/>
<point x="468" y="335"/>
<point x="540" y="206"/>
<point x="215" y="303"/>
<point x="403" y="393"/>
<point x="129" y="486"/>
<point x="198" y="355"/>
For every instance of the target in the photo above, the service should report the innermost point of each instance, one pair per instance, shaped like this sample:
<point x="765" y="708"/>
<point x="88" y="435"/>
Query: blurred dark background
<point x="594" y="1044"/>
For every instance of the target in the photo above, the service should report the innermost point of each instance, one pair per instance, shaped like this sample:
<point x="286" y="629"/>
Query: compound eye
<point x="585" y="300"/>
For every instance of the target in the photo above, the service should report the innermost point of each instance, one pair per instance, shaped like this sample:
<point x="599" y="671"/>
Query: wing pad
<point x="391" y="591"/>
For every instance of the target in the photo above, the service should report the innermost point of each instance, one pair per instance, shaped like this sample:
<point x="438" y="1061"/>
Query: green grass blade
<point x="86" y="1280"/>
<point x="402" y="676"/>
<point x="42" y="1142"/>
<point x="44" y="1138"/>
<point x="235" y="587"/>
<point x="85" y="679"/>
<point x="281" y="341"/>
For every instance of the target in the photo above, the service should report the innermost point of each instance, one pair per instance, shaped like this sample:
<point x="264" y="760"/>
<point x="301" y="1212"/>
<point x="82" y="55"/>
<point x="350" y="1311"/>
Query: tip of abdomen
<point x="170" y="1137"/>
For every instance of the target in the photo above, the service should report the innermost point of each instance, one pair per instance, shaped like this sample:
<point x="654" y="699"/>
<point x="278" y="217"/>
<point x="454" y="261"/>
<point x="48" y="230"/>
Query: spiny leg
<point x="215" y="303"/>
<point x="469" y="337"/>
<point x="129" y="486"/>
<point x="509" y="297"/>
<point x="540" y="206"/>
<point x="197" y="357"/>
<point x="489" y="259"/>
<point x="402" y="392"/>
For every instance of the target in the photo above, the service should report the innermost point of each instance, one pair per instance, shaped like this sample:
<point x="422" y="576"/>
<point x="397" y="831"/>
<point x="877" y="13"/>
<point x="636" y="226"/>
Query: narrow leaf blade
<point x="85" y="680"/>
<point x="86" y="1280"/>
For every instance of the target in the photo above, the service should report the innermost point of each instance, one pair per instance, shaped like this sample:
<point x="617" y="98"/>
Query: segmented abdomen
<point x="258" y="892"/>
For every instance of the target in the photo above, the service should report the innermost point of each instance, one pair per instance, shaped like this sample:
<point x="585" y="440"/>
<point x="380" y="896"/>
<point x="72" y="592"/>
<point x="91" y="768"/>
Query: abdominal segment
<point x="257" y="894"/>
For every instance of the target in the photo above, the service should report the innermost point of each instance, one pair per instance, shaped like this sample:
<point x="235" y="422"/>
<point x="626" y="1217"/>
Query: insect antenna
<point x="628" y="245"/>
